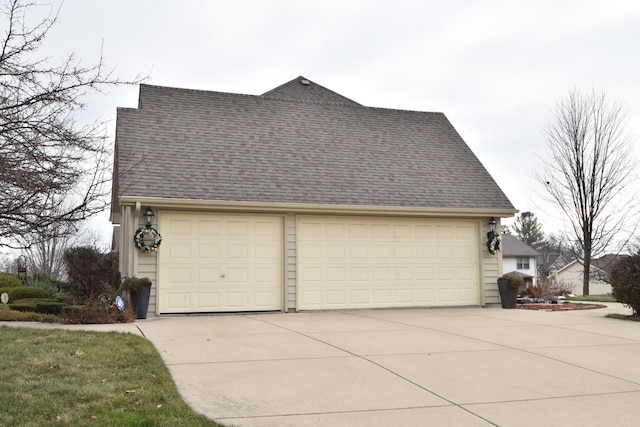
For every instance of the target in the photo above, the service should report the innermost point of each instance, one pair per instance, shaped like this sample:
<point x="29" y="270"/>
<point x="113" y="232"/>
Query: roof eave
<point x="196" y="204"/>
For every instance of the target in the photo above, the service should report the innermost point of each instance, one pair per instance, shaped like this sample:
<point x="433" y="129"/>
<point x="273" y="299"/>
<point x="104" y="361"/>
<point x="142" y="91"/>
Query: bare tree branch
<point x="47" y="159"/>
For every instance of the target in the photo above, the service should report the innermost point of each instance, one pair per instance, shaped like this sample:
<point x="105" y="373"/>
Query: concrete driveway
<point x="414" y="367"/>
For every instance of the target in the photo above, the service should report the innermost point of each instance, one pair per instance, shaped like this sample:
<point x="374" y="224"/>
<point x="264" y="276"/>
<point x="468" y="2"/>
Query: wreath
<point x="141" y="237"/>
<point x="493" y="242"/>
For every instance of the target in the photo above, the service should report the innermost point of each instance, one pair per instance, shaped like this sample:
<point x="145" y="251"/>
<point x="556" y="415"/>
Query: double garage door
<point x="219" y="262"/>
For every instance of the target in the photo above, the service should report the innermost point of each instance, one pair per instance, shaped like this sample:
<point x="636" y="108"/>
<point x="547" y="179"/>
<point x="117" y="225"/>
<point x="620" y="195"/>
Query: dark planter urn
<point x="140" y="301"/>
<point x="508" y="294"/>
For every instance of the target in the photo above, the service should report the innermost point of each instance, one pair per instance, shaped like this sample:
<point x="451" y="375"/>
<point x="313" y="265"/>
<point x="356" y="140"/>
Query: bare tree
<point x="46" y="157"/>
<point x="44" y="255"/>
<point x="587" y="167"/>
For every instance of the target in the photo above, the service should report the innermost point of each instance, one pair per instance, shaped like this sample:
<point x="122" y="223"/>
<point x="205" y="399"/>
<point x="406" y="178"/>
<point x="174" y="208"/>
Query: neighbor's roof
<point x="298" y="143"/>
<point x="512" y="246"/>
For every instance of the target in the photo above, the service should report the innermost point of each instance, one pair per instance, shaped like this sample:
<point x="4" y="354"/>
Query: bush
<point x="49" y="307"/>
<point x="90" y="272"/>
<point x="8" y="280"/>
<point x="132" y="284"/>
<point x="42" y="283"/>
<point x="514" y="281"/>
<point x="37" y="305"/>
<point x="545" y="288"/>
<point x="22" y="292"/>
<point x="95" y="313"/>
<point x="625" y="282"/>
<point x="70" y="309"/>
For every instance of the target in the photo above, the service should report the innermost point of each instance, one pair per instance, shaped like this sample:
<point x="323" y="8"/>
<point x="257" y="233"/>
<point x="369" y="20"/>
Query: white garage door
<point x="215" y="262"/>
<point x="352" y="262"/>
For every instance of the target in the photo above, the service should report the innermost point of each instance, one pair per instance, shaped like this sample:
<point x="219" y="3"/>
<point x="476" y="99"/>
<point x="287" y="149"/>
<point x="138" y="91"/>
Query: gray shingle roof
<point x="512" y="246"/>
<point x="321" y="149"/>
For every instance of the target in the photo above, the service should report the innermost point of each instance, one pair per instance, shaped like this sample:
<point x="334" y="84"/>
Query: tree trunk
<point x="587" y="262"/>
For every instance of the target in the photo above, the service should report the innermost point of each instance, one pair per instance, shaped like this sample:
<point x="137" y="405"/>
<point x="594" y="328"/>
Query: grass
<point x="598" y="298"/>
<point x="624" y="316"/>
<point x="77" y="378"/>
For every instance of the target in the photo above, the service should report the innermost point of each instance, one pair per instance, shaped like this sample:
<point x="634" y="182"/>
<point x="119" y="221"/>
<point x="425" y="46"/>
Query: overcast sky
<point x="495" y="68"/>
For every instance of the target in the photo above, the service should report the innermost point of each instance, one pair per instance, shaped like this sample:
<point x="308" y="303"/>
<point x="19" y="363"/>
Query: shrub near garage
<point x="43" y="283"/>
<point x="8" y="280"/>
<point x="21" y="292"/>
<point x="625" y="282"/>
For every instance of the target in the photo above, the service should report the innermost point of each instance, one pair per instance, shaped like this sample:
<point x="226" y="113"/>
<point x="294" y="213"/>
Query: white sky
<point x="495" y="68"/>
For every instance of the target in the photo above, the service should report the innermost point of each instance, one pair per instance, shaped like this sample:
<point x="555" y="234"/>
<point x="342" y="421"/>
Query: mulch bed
<point x="559" y="307"/>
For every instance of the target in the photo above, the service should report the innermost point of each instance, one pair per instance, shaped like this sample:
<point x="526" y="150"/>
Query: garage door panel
<point x="208" y="276"/>
<point x="209" y="228"/>
<point x="220" y="262"/>
<point x="209" y="301"/>
<point x="180" y="227"/>
<point x="178" y="250"/>
<point x="387" y="262"/>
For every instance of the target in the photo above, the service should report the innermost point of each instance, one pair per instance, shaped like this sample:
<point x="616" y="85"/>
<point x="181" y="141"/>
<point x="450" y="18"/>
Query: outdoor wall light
<point x="493" y="238"/>
<point x="148" y="217"/>
<point x="492" y="224"/>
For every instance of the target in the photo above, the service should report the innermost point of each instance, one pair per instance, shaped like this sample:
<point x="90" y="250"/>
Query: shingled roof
<point x="298" y="143"/>
<point x="512" y="246"/>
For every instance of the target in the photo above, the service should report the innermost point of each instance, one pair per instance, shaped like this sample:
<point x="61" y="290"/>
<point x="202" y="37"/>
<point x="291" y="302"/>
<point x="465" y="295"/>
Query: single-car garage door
<point x="216" y="262"/>
<point x="353" y="262"/>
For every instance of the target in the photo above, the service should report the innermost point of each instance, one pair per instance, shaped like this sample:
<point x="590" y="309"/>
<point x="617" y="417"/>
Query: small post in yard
<point x="22" y="268"/>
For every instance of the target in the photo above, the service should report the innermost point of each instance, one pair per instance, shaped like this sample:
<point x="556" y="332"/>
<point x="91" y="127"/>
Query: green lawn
<point x="598" y="298"/>
<point x="76" y="378"/>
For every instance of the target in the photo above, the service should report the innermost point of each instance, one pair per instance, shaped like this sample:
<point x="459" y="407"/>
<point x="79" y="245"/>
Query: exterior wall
<point x="573" y="275"/>
<point x="148" y="267"/>
<point x="491" y="267"/>
<point x="125" y="255"/>
<point x="133" y="262"/>
<point x="290" y="262"/>
<point x="139" y="264"/>
<point x="511" y="264"/>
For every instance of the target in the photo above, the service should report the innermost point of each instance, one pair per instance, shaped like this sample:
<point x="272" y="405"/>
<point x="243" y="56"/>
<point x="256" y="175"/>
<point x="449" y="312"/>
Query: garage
<point x="361" y="262"/>
<point x="211" y="262"/>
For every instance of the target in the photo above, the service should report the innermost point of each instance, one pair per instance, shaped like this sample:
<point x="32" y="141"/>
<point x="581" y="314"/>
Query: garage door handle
<point x="222" y="275"/>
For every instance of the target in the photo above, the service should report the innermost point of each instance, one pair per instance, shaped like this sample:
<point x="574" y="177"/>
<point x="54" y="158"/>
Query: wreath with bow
<point x="144" y="235"/>
<point x="493" y="242"/>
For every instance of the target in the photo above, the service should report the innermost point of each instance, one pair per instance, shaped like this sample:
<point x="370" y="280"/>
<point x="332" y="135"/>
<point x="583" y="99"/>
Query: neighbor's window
<point x="523" y="263"/>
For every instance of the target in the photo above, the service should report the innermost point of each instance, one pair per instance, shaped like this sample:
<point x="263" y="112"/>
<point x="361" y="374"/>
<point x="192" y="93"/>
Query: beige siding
<point x="491" y="267"/>
<point x="126" y="236"/>
<point x="573" y="276"/>
<point x="137" y="263"/>
<point x="290" y="262"/>
<point x="147" y="267"/>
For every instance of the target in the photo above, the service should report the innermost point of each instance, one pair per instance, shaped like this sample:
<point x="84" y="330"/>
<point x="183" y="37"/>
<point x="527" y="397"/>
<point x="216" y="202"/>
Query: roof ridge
<point x="284" y="99"/>
<point x="308" y="82"/>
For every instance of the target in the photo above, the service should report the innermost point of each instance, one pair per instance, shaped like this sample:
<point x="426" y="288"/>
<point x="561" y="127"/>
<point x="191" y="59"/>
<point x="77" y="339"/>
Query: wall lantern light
<point x="493" y="238"/>
<point x="148" y="217"/>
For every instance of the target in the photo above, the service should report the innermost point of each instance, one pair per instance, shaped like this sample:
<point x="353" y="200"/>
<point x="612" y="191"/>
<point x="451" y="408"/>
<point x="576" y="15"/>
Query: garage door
<point x="375" y="262"/>
<point x="215" y="262"/>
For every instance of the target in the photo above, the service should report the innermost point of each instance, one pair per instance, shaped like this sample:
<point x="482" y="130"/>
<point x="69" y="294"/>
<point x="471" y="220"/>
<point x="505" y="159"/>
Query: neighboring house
<point x="549" y="263"/>
<point x="572" y="275"/>
<point x="519" y="257"/>
<point x="607" y="262"/>
<point x="301" y="199"/>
